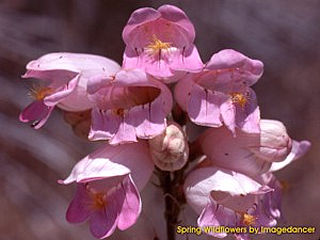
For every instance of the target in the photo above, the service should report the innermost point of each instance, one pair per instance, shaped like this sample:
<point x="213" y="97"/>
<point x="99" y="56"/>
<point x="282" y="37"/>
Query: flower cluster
<point x="230" y="184"/>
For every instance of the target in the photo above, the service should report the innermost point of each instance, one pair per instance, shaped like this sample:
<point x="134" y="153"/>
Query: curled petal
<point x="250" y="70"/>
<point x="222" y="185"/>
<point x="111" y="161"/>
<point x="297" y="151"/>
<point x="37" y="112"/>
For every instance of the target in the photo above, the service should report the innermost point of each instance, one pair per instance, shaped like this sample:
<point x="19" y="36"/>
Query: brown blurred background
<point x="284" y="34"/>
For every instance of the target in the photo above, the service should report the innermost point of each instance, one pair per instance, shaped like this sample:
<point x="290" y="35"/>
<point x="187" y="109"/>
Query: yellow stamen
<point x="119" y="112"/>
<point x="156" y="45"/>
<point x="239" y="98"/>
<point x="39" y="93"/>
<point x="248" y="219"/>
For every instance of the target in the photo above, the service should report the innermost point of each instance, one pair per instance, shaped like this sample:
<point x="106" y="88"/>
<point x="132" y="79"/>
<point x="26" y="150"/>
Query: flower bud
<point x="170" y="150"/>
<point x="275" y="144"/>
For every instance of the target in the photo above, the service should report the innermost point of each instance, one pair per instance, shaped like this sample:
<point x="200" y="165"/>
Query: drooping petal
<point x="201" y="183"/>
<point x="132" y="205"/>
<point x="36" y="111"/>
<point x="297" y="151"/>
<point x="78" y="210"/>
<point x="111" y="161"/>
<point x="241" y="68"/>
<point x="103" y="222"/>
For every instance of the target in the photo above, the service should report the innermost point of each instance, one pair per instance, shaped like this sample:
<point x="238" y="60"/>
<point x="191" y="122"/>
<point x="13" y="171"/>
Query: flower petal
<point x="297" y="151"/>
<point x="78" y="210"/>
<point x="249" y="70"/>
<point x="204" y="107"/>
<point x="132" y="205"/>
<point x="111" y="161"/>
<point x="36" y="111"/>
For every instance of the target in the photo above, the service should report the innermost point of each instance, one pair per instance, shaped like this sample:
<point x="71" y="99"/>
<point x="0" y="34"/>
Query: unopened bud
<point x="275" y="144"/>
<point x="170" y="150"/>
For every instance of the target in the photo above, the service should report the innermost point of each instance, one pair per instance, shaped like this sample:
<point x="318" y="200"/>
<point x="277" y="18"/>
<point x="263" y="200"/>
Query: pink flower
<point x="108" y="184"/>
<point x="251" y="153"/>
<point x="160" y="42"/>
<point x="221" y="93"/>
<point x="128" y="105"/>
<point x="64" y="79"/>
<point x="226" y="198"/>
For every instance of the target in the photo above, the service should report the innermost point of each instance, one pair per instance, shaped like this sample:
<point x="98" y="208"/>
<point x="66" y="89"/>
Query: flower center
<point x="239" y="98"/>
<point x="156" y="45"/>
<point x="248" y="219"/>
<point x="99" y="200"/>
<point x="118" y="112"/>
<point x="39" y="93"/>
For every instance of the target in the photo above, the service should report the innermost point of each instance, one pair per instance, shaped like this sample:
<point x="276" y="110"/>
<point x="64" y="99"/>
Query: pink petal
<point x="103" y="222"/>
<point x="78" y="210"/>
<point x="125" y="133"/>
<point x="59" y="95"/>
<point x="298" y="150"/>
<point x="36" y="111"/>
<point x="246" y="118"/>
<point x="112" y="161"/>
<point x="214" y="215"/>
<point x="104" y="124"/>
<point x="204" y="107"/>
<point x="138" y="17"/>
<point x="250" y="70"/>
<point x="224" y="150"/>
<point x="201" y="182"/>
<point x="177" y="16"/>
<point x="182" y="91"/>
<point x="131" y="207"/>
<point x="189" y="60"/>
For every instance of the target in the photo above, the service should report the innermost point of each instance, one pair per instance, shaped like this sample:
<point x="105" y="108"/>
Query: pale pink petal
<point x="104" y="222"/>
<point x="38" y="112"/>
<point x="182" y="90"/>
<point x="60" y="94"/>
<point x="78" y="210"/>
<point x="248" y="69"/>
<point x="112" y="161"/>
<point x="125" y="133"/>
<point x="189" y="60"/>
<point x="214" y="215"/>
<point x="245" y="117"/>
<point x="204" y="107"/>
<point x="297" y="151"/>
<point x="104" y="124"/>
<point x="177" y="16"/>
<point x="131" y="207"/>
<point x="200" y="183"/>
<point x="138" y="17"/>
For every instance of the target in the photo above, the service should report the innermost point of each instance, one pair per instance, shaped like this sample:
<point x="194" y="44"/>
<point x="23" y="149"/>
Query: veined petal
<point x="112" y="161"/>
<point x="221" y="184"/>
<point x="132" y="205"/>
<point x="204" y="107"/>
<point x="248" y="69"/>
<point x="214" y="215"/>
<point x="103" y="222"/>
<point x="78" y="210"/>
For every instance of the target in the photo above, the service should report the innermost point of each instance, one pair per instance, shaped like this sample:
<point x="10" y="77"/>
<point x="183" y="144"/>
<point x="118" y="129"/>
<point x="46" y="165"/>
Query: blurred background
<point x="284" y="34"/>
